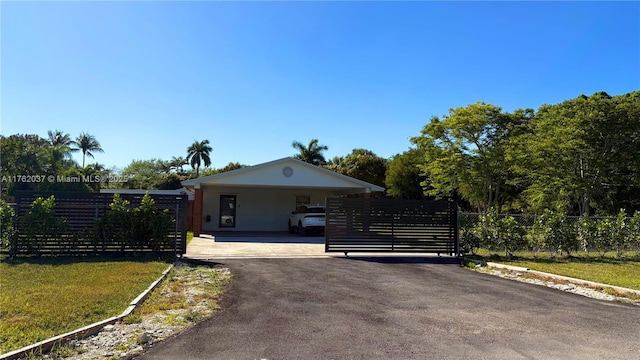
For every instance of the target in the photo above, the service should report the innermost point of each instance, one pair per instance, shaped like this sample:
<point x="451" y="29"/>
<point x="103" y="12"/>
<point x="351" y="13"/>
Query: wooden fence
<point x="81" y="210"/>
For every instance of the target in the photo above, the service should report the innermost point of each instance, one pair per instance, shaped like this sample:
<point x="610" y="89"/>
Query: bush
<point x="138" y="228"/>
<point x="558" y="233"/>
<point x="40" y="224"/>
<point x="469" y="240"/>
<point x="511" y="236"/>
<point x="634" y="232"/>
<point x="7" y="228"/>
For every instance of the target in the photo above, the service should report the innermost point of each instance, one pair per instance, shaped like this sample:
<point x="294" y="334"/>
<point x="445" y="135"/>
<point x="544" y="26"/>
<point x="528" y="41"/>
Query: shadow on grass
<point x="66" y="260"/>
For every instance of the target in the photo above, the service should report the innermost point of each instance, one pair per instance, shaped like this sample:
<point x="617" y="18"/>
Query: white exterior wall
<point x="257" y="209"/>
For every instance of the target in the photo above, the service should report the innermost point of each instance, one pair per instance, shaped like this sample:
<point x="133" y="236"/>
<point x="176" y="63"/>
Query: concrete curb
<point x="88" y="330"/>
<point x="585" y="283"/>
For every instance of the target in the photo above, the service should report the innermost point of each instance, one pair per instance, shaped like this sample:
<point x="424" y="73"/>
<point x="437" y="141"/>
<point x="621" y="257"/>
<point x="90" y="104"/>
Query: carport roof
<point x="285" y="173"/>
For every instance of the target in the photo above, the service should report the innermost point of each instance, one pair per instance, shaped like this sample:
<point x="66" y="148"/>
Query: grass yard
<point x="44" y="297"/>
<point x="623" y="272"/>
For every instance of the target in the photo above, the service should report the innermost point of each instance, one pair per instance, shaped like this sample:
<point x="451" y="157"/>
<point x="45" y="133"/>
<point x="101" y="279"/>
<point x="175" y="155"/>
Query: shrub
<point x="7" y="229"/>
<point x="41" y="225"/>
<point x="619" y="233"/>
<point x="558" y="233"/>
<point x="487" y="230"/>
<point x="587" y="233"/>
<point x="150" y="225"/>
<point x="511" y="236"/>
<point x="139" y="228"/>
<point x="469" y="240"/>
<point x="634" y="232"/>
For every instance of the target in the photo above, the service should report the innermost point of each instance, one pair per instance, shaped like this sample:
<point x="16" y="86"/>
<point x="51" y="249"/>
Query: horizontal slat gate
<point x="81" y="209"/>
<point x="390" y="225"/>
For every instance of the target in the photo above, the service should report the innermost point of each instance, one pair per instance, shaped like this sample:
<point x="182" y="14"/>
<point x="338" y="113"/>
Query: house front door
<point x="227" y="211"/>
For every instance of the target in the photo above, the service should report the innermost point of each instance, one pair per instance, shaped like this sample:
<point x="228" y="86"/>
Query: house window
<point x="302" y="200"/>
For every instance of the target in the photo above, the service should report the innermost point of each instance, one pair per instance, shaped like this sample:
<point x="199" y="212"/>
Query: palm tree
<point x="311" y="153"/>
<point x="176" y="163"/>
<point x="60" y="148"/>
<point x="197" y="153"/>
<point x="88" y="145"/>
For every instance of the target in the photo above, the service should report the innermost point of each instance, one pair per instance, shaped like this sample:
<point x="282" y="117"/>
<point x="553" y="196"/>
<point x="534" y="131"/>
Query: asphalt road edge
<point x="48" y="344"/>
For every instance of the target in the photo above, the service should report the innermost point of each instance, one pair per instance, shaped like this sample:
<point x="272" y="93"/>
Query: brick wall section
<point x="197" y="213"/>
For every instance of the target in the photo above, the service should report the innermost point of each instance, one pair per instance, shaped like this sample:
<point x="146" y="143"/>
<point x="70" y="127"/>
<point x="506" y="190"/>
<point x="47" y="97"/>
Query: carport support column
<point x="197" y="212"/>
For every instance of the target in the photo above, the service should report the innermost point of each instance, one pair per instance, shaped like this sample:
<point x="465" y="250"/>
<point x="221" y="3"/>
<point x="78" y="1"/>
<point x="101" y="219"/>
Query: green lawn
<point x="623" y="272"/>
<point x="44" y="297"/>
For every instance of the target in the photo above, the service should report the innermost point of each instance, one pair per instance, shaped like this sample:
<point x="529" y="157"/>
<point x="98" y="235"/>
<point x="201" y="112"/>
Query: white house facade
<point x="261" y="197"/>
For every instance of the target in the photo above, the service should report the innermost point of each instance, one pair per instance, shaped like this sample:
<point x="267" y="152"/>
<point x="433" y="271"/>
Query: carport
<point x="260" y="198"/>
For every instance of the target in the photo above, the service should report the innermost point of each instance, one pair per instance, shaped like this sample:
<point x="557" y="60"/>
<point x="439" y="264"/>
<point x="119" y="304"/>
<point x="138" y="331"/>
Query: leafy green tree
<point x="143" y="174"/>
<point x="581" y="155"/>
<point x="198" y="153"/>
<point x="88" y="145"/>
<point x="311" y="153"/>
<point x="169" y="182"/>
<point x="464" y="151"/>
<point x="363" y="165"/>
<point x="404" y="178"/>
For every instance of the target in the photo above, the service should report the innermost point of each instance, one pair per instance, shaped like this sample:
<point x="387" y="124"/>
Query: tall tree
<point x="88" y="145"/>
<point x="311" y="153"/>
<point x="361" y="164"/>
<point x="464" y="151"/>
<point x="404" y="178"/>
<point x="582" y="155"/>
<point x="61" y="148"/>
<point x="198" y="153"/>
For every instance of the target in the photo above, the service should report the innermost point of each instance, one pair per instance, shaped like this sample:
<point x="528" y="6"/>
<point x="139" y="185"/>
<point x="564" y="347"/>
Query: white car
<point x="307" y="218"/>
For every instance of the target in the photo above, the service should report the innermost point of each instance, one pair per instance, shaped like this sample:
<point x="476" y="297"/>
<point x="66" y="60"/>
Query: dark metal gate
<point x="389" y="225"/>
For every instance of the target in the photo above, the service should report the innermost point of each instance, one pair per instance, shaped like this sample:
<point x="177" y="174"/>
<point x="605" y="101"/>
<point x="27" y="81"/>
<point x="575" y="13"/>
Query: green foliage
<point x="137" y="228"/>
<point x="198" y="153"/>
<point x="150" y="225"/>
<point x="558" y="234"/>
<point x="311" y="153"/>
<point x="363" y="165"/>
<point x="88" y="144"/>
<point x="619" y="233"/>
<point x="465" y="151"/>
<point x="144" y="174"/>
<point x="7" y="226"/>
<point x="634" y="232"/>
<point x="497" y="233"/>
<point x="512" y="235"/>
<point x="403" y="176"/>
<point x="469" y="240"/>
<point x="41" y="225"/>
<point x="580" y="155"/>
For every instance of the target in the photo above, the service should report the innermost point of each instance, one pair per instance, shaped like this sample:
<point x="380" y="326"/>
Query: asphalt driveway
<point x="391" y="308"/>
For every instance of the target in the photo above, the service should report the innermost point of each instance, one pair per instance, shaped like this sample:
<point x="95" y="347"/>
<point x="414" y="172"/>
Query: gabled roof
<point x="285" y="172"/>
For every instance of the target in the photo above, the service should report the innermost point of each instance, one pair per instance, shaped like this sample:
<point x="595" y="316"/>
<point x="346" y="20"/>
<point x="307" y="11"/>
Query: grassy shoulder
<point x="608" y="270"/>
<point x="44" y="297"/>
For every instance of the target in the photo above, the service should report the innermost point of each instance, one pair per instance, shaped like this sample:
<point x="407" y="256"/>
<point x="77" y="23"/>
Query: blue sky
<point x="149" y="78"/>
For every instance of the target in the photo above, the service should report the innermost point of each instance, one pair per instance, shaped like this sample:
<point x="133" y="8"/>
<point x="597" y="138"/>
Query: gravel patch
<point x="131" y="337"/>
<point x="599" y="294"/>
